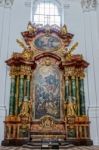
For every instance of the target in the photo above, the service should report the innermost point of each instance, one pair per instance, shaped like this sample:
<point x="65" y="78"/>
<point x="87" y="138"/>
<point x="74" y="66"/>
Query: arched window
<point x="46" y="12"/>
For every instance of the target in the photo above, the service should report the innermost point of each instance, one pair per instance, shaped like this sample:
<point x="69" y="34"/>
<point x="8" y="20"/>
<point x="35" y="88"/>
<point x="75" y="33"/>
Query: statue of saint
<point x="71" y="106"/>
<point x="26" y="108"/>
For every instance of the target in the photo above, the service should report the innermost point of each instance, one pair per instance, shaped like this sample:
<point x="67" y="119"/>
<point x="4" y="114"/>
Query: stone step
<point x="46" y="145"/>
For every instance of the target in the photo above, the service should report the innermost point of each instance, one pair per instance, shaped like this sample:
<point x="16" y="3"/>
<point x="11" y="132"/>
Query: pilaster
<point x="92" y="53"/>
<point x="3" y="113"/>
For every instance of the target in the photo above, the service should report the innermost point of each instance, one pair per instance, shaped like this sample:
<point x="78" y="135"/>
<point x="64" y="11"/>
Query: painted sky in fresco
<point x="47" y="92"/>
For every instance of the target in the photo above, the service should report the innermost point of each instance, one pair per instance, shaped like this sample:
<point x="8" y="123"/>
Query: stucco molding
<point x="28" y="3"/>
<point x="88" y="5"/>
<point x="6" y="3"/>
<point x="1" y="3"/>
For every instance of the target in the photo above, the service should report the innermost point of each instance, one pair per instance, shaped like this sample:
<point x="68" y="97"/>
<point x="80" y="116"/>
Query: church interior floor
<point x="74" y="148"/>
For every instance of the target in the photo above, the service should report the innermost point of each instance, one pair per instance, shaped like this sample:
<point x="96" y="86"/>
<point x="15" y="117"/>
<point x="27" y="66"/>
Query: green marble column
<point x="74" y="93"/>
<point x="12" y="96"/>
<point x="21" y="90"/>
<point x="28" y="87"/>
<point x="66" y="88"/>
<point x="17" y="95"/>
<point x="73" y="87"/>
<point x="82" y="97"/>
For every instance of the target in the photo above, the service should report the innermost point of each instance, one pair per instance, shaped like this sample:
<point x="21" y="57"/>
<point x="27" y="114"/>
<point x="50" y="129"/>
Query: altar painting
<point x="47" y="92"/>
<point x="47" y="43"/>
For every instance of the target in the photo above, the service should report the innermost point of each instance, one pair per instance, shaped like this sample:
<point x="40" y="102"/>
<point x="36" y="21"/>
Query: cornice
<point x="87" y="5"/>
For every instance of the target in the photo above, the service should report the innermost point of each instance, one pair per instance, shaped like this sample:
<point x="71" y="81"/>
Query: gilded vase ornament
<point x="63" y="30"/>
<point x="31" y="28"/>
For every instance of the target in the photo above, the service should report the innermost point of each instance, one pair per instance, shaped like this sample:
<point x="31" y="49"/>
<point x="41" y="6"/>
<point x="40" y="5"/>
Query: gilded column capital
<point x="79" y="72"/>
<point x="14" y="71"/>
<point x="66" y="78"/>
<point x="28" y="77"/>
<point x="21" y="76"/>
<point x="82" y="77"/>
<point x="12" y="76"/>
<point x="73" y="77"/>
<point x="25" y="70"/>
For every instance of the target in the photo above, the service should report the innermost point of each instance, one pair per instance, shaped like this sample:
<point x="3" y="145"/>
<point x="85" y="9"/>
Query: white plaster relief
<point x="6" y="3"/>
<point x="1" y="3"/>
<point x="28" y="3"/>
<point x="88" y="5"/>
<point x="66" y="6"/>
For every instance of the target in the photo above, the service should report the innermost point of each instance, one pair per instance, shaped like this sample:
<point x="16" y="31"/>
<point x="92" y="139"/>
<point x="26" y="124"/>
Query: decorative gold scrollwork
<point x="47" y="123"/>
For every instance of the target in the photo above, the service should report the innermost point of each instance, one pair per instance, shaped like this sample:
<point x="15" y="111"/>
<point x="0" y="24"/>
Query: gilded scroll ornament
<point x="47" y="122"/>
<point x="27" y="54"/>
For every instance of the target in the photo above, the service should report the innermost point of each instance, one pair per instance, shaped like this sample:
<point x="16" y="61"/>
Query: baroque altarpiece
<point x="47" y="100"/>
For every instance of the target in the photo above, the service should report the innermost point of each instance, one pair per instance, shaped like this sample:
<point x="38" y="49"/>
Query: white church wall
<point x="93" y="71"/>
<point x="83" y="23"/>
<point x="85" y="27"/>
<point x="3" y="67"/>
<point x="13" y="20"/>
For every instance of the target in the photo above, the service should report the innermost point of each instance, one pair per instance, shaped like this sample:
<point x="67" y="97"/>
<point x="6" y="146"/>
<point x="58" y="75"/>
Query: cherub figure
<point x="68" y="52"/>
<point x="21" y="44"/>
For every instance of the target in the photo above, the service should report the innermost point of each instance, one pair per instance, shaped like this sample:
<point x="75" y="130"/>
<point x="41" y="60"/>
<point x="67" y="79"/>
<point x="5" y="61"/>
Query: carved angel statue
<point x="68" y="52"/>
<point x="26" y="108"/>
<point x="27" y="52"/>
<point x="21" y="43"/>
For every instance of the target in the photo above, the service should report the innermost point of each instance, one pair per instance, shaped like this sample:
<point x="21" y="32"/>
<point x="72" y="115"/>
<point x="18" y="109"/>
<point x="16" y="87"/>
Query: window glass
<point x="46" y="12"/>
